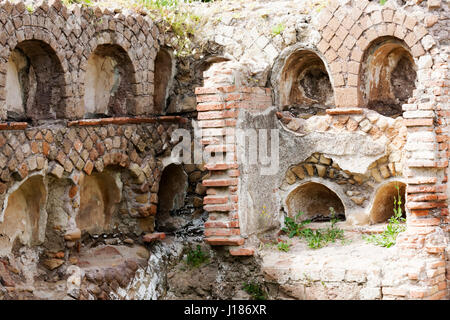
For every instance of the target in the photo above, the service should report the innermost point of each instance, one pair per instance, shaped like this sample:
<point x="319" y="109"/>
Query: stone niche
<point x="24" y="217"/>
<point x="109" y="83"/>
<point x="171" y="197"/>
<point x="387" y="76"/>
<point x="383" y="203"/>
<point x="100" y="194"/>
<point x="314" y="200"/>
<point x="162" y="79"/>
<point x="34" y="83"/>
<point x="305" y="86"/>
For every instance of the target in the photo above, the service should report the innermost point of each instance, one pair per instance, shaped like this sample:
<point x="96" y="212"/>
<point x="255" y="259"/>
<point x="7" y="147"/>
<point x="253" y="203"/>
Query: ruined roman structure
<point x="96" y="205"/>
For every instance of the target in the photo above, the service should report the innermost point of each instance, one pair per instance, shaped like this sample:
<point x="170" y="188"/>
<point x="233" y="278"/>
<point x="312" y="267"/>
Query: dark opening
<point x="388" y="76"/>
<point x="40" y="79"/>
<point x="383" y="204"/>
<point x="163" y="74"/>
<point x="314" y="200"/>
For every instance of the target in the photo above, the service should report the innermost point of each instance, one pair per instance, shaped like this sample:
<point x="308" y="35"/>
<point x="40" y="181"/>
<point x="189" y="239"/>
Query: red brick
<point x="422" y="197"/>
<point x="429" y="221"/>
<point x="89" y="166"/>
<point x="218" y="208"/>
<point x="424" y="205"/>
<point x="242" y="252"/>
<point x="215" y="199"/>
<point x="217" y="224"/>
<point x="73" y="191"/>
<point x="13" y="125"/>
<point x="211" y="123"/>
<point x="210" y="106"/>
<point x="217" y="115"/>
<point x="221" y="232"/>
<point x="220" y="182"/>
<point x="424" y="189"/>
<point x="222" y="241"/>
<point x="221" y="166"/>
<point x="151" y="237"/>
<point x="422" y="180"/>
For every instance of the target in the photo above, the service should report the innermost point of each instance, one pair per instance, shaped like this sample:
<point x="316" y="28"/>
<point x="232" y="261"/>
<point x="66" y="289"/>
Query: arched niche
<point x="387" y="76"/>
<point x="109" y="83"/>
<point x="304" y="83"/>
<point x="99" y="199"/>
<point x="171" y="196"/>
<point x="162" y="78"/>
<point x="314" y="200"/>
<point x="24" y="217"/>
<point x="34" y="83"/>
<point x="383" y="203"/>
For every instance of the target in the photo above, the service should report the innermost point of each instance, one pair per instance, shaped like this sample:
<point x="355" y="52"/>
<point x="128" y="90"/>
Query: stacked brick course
<point x="218" y="110"/>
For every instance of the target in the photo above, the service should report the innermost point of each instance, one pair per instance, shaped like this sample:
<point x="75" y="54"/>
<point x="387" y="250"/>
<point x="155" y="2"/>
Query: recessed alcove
<point x="314" y="200"/>
<point x="34" y="83"/>
<point x="305" y="86"/>
<point x="387" y="76"/>
<point x="109" y="83"/>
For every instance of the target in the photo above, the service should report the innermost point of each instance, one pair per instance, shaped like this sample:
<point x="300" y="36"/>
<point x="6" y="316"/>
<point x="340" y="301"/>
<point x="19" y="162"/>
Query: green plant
<point x="292" y="228"/>
<point x="382" y="2"/>
<point x="30" y="8"/>
<point x="254" y="289"/>
<point x="183" y="23"/>
<point x="283" y="246"/>
<point x="315" y="238"/>
<point x="395" y="225"/>
<point x="82" y="2"/>
<point x="196" y="257"/>
<point x="278" y="29"/>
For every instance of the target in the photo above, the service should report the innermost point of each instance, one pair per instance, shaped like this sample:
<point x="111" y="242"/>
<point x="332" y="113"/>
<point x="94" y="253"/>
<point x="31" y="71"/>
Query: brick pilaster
<point x="218" y="109"/>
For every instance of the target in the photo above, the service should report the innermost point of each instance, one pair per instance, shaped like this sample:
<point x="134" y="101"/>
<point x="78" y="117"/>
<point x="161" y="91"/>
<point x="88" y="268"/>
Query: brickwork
<point x="417" y="142"/>
<point x="347" y="33"/>
<point x="218" y="110"/>
<point x="87" y="147"/>
<point x="73" y="34"/>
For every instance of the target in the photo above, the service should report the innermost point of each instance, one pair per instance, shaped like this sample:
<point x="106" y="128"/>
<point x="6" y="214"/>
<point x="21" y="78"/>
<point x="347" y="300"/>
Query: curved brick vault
<point x="73" y="35"/>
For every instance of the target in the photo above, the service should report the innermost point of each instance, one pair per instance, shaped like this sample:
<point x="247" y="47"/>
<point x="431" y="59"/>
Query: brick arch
<point x="387" y="75"/>
<point x="314" y="196"/>
<point x="35" y="34"/>
<point x="346" y="33"/>
<point x="291" y="63"/>
<point x="108" y="59"/>
<point x="37" y="44"/>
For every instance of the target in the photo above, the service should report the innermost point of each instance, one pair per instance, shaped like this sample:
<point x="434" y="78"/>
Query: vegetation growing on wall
<point x="315" y="238"/>
<point x="395" y="225"/>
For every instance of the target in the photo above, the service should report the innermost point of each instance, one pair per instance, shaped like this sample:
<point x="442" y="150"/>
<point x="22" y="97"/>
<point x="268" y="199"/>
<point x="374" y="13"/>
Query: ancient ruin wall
<point x="351" y="39"/>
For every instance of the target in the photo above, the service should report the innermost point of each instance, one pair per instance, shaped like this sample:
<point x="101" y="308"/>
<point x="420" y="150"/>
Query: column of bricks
<point x="218" y="110"/>
<point x="426" y="192"/>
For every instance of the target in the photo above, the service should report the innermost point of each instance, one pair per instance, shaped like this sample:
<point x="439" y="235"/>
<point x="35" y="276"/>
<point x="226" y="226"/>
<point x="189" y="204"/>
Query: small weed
<point x="382" y="2"/>
<point x="183" y="22"/>
<point x="308" y="280"/>
<point x="82" y="2"/>
<point x="388" y="237"/>
<point x="292" y="228"/>
<point x="283" y="246"/>
<point x="254" y="289"/>
<point x="278" y="29"/>
<point x="196" y="257"/>
<point x="30" y="8"/>
<point x="315" y="238"/>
